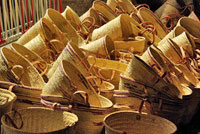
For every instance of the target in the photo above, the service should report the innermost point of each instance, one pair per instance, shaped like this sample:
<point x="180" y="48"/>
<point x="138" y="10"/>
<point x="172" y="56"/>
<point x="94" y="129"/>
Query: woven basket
<point x="90" y="118"/>
<point x="193" y="16"/>
<point x="63" y="25"/>
<point x="75" y="56"/>
<point x="117" y="29"/>
<point x="112" y="4"/>
<point x="127" y="122"/>
<point x="67" y="80"/>
<point x="175" y="32"/>
<point x="7" y="98"/>
<point x="152" y="79"/>
<point x="38" y="120"/>
<point x="191" y="26"/>
<point x="101" y="48"/>
<point x="109" y="70"/>
<point x="32" y="57"/>
<point x="19" y="70"/>
<point x="148" y="15"/>
<point x="104" y="9"/>
<point x="184" y="40"/>
<point x="137" y="45"/>
<point x="107" y="90"/>
<point x="43" y="27"/>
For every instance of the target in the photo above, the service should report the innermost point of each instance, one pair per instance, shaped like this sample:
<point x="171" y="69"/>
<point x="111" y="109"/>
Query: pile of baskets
<point x="115" y="57"/>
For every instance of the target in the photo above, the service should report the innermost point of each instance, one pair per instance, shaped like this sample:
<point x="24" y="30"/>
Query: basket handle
<point x="7" y="117"/>
<point x="10" y="70"/>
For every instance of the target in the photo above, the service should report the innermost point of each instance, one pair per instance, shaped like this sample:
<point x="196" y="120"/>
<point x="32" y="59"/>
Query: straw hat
<point x="63" y="25"/>
<point x="185" y="41"/>
<point x="43" y="27"/>
<point x="191" y="26"/>
<point x="152" y="79"/>
<point x="90" y="118"/>
<point x="7" y="99"/>
<point x="175" y="32"/>
<point x="132" y="122"/>
<point x="66" y="81"/>
<point x="117" y="29"/>
<point x="32" y="57"/>
<point x="31" y="120"/>
<point x="18" y="69"/>
<point x="138" y="44"/>
<point x="102" y="47"/>
<point x="148" y="15"/>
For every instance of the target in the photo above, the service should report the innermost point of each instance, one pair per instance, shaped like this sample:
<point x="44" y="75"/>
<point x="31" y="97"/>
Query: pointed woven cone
<point x="117" y="29"/>
<point x="20" y="70"/>
<point x="175" y="32"/>
<point x="75" y="56"/>
<point x="132" y="122"/>
<point x="148" y="15"/>
<point x="184" y="40"/>
<point x="104" y="9"/>
<point x="37" y="45"/>
<point x="169" y="49"/>
<point x="138" y="70"/>
<point x="137" y="45"/>
<point x="112" y="4"/>
<point x="193" y="16"/>
<point x="70" y="15"/>
<point x="32" y="57"/>
<point x="137" y="29"/>
<point x="126" y="6"/>
<point x="108" y="70"/>
<point x="7" y="99"/>
<point x="191" y="26"/>
<point x="66" y="80"/>
<point x="63" y="25"/>
<point x="91" y="13"/>
<point x="102" y="47"/>
<point x="43" y="27"/>
<point x="166" y="9"/>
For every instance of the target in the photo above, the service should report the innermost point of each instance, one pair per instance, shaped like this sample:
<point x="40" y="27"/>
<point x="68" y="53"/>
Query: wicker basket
<point x="38" y="120"/>
<point x="127" y="122"/>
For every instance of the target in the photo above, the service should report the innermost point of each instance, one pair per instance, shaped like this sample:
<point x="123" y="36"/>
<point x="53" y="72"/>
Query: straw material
<point x="101" y="48"/>
<point x="193" y="16"/>
<point x="90" y="118"/>
<point x="185" y="41"/>
<point x="32" y="57"/>
<point x="174" y="33"/>
<point x="132" y="122"/>
<point x="19" y="69"/>
<point x="7" y="99"/>
<point x="108" y="70"/>
<point x="148" y="15"/>
<point x="112" y="4"/>
<point x="136" y="45"/>
<point x="66" y="81"/>
<point x="169" y="49"/>
<point x="117" y="29"/>
<point x="138" y="70"/>
<point x="104" y="9"/>
<point x="107" y="90"/>
<point x="75" y="56"/>
<point x="43" y="27"/>
<point x="63" y="25"/>
<point x="191" y="26"/>
<point x="38" y="120"/>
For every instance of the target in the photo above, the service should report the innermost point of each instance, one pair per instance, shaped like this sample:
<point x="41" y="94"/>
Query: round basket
<point x="126" y="122"/>
<point x="38" y="120"/>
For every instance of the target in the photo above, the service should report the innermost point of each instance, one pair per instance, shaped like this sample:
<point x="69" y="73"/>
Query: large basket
<point x="127" y="122"/>
<point x="38" y="120"/>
